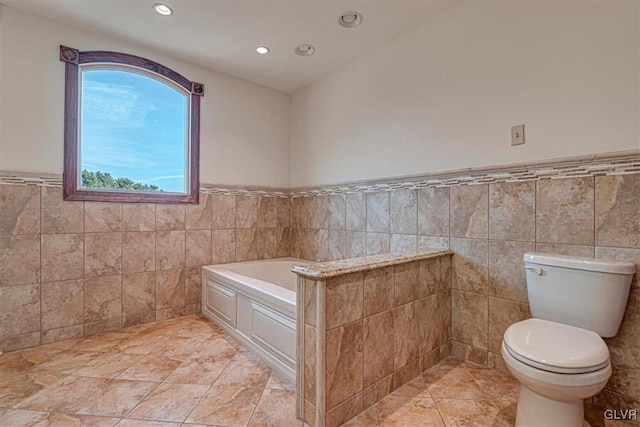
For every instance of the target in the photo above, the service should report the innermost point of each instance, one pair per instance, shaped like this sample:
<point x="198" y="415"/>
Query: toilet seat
<point x="555" y="347"/>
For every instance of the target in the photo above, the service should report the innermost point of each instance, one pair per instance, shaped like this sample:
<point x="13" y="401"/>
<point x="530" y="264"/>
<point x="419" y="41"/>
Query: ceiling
<point x="223" y="34"/>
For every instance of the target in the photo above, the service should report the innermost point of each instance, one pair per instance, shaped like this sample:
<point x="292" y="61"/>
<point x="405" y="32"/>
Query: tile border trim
<point x="611" y="163"/>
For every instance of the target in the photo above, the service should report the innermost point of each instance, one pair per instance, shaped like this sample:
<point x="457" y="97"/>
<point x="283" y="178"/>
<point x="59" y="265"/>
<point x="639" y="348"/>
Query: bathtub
<point x="255" y="302"/>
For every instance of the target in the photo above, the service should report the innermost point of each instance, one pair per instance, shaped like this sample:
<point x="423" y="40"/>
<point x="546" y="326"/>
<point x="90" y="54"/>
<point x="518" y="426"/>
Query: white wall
<point x="444" y="95"/>
<point x="244" y="127"/>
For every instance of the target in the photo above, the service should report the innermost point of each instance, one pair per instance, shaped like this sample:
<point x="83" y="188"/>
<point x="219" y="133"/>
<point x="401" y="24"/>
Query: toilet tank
<point x="583" y="292"/>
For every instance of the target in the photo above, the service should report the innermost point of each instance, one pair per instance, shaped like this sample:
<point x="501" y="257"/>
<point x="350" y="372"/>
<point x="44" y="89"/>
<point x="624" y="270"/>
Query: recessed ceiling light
<point x="262" y="50"/>
<point x="305" y="50"/>
<point x="162" y="9"/>
<point x="350" y="19"/>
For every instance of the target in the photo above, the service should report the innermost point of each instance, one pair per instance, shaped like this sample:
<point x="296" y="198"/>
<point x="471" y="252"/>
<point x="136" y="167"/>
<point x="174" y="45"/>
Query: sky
<point x="133" y="127"/>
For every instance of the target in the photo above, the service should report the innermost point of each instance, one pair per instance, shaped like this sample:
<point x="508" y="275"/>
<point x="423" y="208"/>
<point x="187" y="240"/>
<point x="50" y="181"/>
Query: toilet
<point x="559" y="355"/>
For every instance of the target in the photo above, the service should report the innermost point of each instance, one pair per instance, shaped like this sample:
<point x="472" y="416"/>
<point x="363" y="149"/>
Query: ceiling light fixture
<point x="350" y="19"/>
<point x="262" y="50"/>
<point x="162" y="9"/>
<point x="305" y="50"/>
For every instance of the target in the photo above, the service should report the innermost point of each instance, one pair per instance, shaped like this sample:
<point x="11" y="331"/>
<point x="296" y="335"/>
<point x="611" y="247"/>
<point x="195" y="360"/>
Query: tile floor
<point x="187" y="372"/>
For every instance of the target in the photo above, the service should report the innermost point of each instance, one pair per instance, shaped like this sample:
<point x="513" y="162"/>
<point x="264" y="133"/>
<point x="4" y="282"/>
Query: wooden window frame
<point x="73" y="60"/>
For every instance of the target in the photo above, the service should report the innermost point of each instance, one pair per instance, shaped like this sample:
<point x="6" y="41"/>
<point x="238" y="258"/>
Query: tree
<point x="104" y="180"/>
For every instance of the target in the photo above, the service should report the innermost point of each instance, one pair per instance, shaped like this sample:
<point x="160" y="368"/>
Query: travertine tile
<point x="62" y="334"/>
<point x="625" y="361"/>
<point x="407" y="321"/>
<point x="506" y="269"/>
<point x="559" y="248"/>
<point x="62" y="304"/>
<point x="151" y="368"/>
<point x="20" y="260"/>
<point x="283" y="242"/>
<point x="433" y="211"/>
<point x="408" y="411"/>
<point x="267" y="214"/>
<point x="138" y="319"/>
<point x="17" y="386"/>
<point x="320" y="214"/>
<point x="407" y="286"/>
<point x="377" y="391"/>
<point x="19" y="209"/>
<point x="378" y="243"/>
<point x="470" y="412"/>
<point x="169" y="402"/>
<point x="108" y="365"/>
<point x="617" y="213"/>
<point x="337" y="212"/>
<point x="497" y="385"/>
<point x="62" y="257"/>
<point x="64" y="395"/>
<point x="452" y="383"/>
<point x="469" y="324"/>
<point x="310" y="363"/>
<point x="404" y="211"/>
<point x="205" y="365"/>
<point x="432" y="243"/>
<point x="277" y="408"/>
<point x="435" y="328"/>
<point x="170" y="249"/>
<point x="246" y="211"/>
<point x="401" y="243"/>
<point x="344" y="411"/>
<point x="470" y="264"/>
<point x="321" y="238"/>
<point x="502" y="314"/>
<point x="356" y="245"/>
<point x="226" y="405"/>
<point x="337" y="244"/>
<point x="470" y="211"/>
<point x="138" y="251"/>
<point x="378" y="354"/>
<point x="19" y="310"/>
<point x="139" y="217"/>
<point x="193" y="285"/>
<point x="406" y="373"/>
<point x="103" y="298"/>
<point x="310" y="301"/>
<point x="100" y="326"/>
<point x="344" y="363"/>
<point x="267" y="243"/>
<point x="20" y="341"/>
<point x="342" y="292"/>
<point x="378" y="213"/>
<point x="100" y="217"/>
<point x="170" y="217"/>
<point x="200" y="216"/>
<point x="433" y="278"/>
<point x="565" y="211"/>
<point x="115" y="398"/>
<point x="246" y="244"/>
<point x="170" y="289"/>
<point x="223" y="242"/>
<point x="283" y="211"/>
<point x="356" y="212"/>
<point x="138" y="293"/>
<point x="223" y="211"/>
<point x="512" y="211"/>
<point x="378" y="290"/>
<point x="102" y="254"/>
<point x="198" y="248"/>
<point x="302" y="211"/>
<point x="59" y="216"/>
<point x="470" y="353"/>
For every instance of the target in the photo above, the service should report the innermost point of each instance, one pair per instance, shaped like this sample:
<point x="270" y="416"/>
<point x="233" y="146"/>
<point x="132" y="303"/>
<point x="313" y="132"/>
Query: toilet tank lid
<point x="580" y="263"/>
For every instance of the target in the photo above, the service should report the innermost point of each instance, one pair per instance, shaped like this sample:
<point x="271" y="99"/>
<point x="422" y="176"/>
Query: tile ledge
<point x="325" y="270"/>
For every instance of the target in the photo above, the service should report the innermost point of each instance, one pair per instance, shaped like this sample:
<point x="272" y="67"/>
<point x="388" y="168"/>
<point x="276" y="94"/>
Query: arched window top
<point x="131" y="129"/>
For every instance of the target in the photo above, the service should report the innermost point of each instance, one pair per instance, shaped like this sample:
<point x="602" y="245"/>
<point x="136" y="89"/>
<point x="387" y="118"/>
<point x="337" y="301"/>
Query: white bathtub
<point x="255" y="302"/>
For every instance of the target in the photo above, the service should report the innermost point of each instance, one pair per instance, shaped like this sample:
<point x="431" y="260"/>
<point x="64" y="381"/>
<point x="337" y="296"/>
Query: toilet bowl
<point x="557" y="366"/>
<point x="559" y="355"/>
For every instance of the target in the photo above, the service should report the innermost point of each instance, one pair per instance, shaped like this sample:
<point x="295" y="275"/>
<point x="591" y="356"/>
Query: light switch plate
<point x="517" y="135"/>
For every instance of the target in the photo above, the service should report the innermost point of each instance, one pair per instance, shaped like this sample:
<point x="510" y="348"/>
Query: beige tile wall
<point x="381" y="328"/>
<point x="490" y="227"/>
<point x="69" y="269"/>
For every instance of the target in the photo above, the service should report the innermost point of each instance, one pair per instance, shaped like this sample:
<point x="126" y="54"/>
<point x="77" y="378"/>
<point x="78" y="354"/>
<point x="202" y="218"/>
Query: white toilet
<point x="558" y="355"/>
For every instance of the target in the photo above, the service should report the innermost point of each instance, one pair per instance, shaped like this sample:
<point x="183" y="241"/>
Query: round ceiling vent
<point x="305" y="50"/>
<point x="350" y="19"/>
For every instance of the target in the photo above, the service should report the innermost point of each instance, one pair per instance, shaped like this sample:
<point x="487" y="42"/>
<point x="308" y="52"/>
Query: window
<point x="131" y="130"/>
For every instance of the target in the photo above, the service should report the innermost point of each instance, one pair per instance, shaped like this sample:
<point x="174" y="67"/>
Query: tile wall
<point x="490" y="227"/>
<point x="70" y="269"/>
<point x="397" y="325"/>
